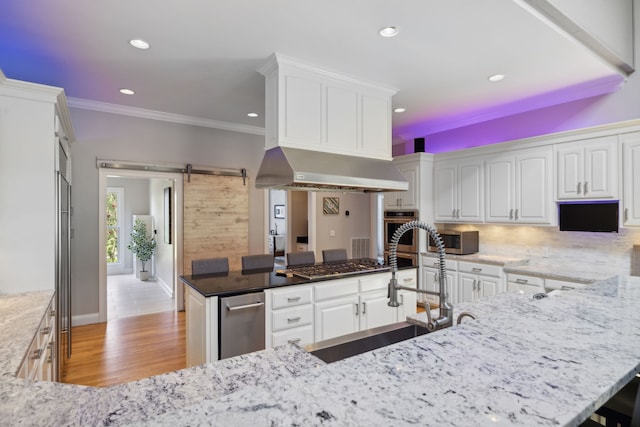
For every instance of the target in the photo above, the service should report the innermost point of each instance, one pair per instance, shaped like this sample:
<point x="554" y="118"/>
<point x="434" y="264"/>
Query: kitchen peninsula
<point x="522" y="362"/>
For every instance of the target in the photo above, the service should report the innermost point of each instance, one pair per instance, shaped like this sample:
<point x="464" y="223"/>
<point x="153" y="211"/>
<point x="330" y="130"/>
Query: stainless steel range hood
<point x="297" y="169"/>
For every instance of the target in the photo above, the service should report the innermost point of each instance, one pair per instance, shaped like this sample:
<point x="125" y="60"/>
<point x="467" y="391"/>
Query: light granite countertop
<point x="482" y="258"/>
<point x="521" y="362"/>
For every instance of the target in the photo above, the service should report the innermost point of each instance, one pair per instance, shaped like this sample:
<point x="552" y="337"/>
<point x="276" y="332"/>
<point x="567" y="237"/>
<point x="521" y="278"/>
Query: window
<point x="113" y="218"/>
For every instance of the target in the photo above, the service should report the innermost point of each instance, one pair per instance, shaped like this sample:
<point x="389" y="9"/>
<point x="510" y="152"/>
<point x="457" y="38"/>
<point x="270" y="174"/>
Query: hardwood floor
<point x="127" y="349"/>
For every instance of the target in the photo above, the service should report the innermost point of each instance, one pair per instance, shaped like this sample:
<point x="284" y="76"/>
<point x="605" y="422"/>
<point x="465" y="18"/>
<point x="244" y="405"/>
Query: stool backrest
<point x="333" y="255"/>
<point x="254" y="262"/>
<point x="301" y="258"/>
<point x="209" y="266"/>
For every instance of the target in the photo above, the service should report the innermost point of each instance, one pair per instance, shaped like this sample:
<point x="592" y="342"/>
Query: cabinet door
<point x="336" y="317"/>
<point x="445" y="191"/>
<point x="467" y="287"/>
<point x="429" y="283"/>
<point x="470" y="192"/>
<point x="631" y="173"/>
<point x="486" y="287"/>
<point x="500" y="204"/>
<point x="302" y="118"/>
<point x="375" y="310"/>
<point x="600" y="171"/>
<point x="569" y="164"/>
<point x="533" y="187"/>
<point x="409" y="198"/>
<point x="408" y="305"/>
<point x="196" y="324"/>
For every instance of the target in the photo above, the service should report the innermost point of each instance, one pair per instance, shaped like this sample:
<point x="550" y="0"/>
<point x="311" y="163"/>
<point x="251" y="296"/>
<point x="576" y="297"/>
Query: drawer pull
<point x="293" y="299"/>
<point x="37" y="354"/>
<point x="364" y="308"/>
<point x="523" y="281"/>
<point x="407" y="280"/>
<point x="46" y="330"/>
<point x="436" y="264"/>
<point x="294" y="340"/>
<point x="242" y="307"/>
<point x="476" y="269"/>
<point x="293" y="319"/>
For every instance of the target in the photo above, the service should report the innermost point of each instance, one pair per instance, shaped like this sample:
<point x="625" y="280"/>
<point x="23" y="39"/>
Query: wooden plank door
<point x="216" y="219"/>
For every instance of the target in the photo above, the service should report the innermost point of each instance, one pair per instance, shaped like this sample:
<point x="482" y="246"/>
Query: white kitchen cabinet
<point x="477" y="280"/>
<point x="523" y="283"/>
<point x="375" y="310"/>
<point x="201" y="327"/>
<point x="35" y="138"/>
<point x="518" y="187"/>
<point x="405" y="199"/>
<point x="459" y="191"/>
<point x="561" y="285"/>
<point x="631" y="178"/>
<point x="316" y="109"/>
<point x="289" y="316"/>
<point x="40" y="358"/>
<point x="587" y="169"/>
<point x="335" y="317"/>
<point x="430" y="281"/>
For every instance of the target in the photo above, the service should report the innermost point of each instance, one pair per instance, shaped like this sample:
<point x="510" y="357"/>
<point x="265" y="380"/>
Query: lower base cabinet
<point x="202" y="328"/>
<point x="40" y="359"/>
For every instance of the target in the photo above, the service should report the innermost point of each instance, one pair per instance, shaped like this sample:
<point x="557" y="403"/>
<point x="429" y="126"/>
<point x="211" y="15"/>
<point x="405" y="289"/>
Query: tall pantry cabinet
<point x="35" y="132"/>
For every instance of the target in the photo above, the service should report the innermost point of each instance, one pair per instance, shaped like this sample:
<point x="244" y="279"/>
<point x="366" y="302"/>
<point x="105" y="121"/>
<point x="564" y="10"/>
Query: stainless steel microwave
<point x="457" y="242"/>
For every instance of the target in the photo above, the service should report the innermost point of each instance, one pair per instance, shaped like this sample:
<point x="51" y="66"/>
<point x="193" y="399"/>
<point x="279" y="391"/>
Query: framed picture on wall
<point x="278" y="211"/>
<point x="330" y="205"/>
<point x="167" y="215"/>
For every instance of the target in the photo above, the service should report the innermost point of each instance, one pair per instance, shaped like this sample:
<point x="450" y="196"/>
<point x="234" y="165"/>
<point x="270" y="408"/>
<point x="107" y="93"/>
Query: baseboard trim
<point x="164" y="286"/>
<point x="85" y="319"/>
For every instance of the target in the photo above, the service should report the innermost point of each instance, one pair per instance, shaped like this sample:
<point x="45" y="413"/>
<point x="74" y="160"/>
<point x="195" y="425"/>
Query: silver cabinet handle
<point x="453" y="213"/>
<point x="436" y="264"/>
<point x="46" y="330"/>
<point x="579" y="187"/>
<point x="53" y="313"/>
<point x="476" y="269"/>
<point x="516" y="215"/>
<point x="474" y="285"/>
<point x="242" y="307"/>
<point x="402" y="299"/>
<point x="364" y="308"/>
<point x="293" y="299"/>
<point x="37" y="354"/>
<point x="510" y="213"/>
<point x="523" y="281"/>
<point x="586" y="183"/>
<point x="294" y="340"/>
<point x="357" y="308"/>
<point x="479" y="285"/>
<point x="626" y="214"/>
<point x="293" y="319"/>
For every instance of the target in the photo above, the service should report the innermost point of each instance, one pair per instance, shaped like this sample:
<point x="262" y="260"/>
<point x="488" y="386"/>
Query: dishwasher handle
<point x="242" y="307"/>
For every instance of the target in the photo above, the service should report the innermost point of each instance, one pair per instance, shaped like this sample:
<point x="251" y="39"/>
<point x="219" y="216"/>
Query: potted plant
<point x="142" y="245"/>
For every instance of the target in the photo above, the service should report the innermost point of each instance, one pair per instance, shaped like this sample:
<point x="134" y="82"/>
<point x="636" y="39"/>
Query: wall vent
<point x="360" y="247"/>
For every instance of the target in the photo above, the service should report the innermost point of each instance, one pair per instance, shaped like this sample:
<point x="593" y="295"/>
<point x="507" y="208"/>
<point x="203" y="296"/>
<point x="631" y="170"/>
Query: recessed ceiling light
<point x="127" y="91"/>
<point x="389" y="31"/>
<point x="139" y="44"/>
<point x="496" y="77"/>
<point x="399" y="110"/>
<point x="252" y="114"/>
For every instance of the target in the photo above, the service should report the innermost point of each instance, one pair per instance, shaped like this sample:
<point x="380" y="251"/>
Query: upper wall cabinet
<point x="587" y="169"/>
<point x="315" y="109"/>
<point x="459" y="191"/>
<point x="519" y="187"/>
<point x="631" y="178"/>
<point x="417" y="169"/>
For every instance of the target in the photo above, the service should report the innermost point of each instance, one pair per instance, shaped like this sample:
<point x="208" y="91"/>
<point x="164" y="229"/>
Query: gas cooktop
<point x="338" y="269"/>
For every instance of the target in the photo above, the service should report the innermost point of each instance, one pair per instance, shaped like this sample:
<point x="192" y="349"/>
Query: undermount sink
<point x="345" y="346"/>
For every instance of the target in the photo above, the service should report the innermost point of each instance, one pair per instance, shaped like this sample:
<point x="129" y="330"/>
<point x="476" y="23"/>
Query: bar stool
<point x="257" y="262"/>
<point x="301" y="258"/>
<point x="333" y="255"/>
<point x="209" y="266"/>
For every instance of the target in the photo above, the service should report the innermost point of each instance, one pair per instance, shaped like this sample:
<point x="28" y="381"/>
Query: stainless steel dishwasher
<point x="241" y="324"/>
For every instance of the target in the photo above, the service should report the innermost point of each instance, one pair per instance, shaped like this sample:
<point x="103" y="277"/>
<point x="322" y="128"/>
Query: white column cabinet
<point x="201" y="327"/>
<point x="519" y="187"/>
<point x="459" y="191"/>
<point x="631" y="178"/>
<point x="586" y="169"/>
<point x="405" y="199"/>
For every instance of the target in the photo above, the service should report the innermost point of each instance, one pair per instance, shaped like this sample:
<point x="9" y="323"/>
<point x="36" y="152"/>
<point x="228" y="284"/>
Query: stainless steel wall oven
<point x="408" y="241"/>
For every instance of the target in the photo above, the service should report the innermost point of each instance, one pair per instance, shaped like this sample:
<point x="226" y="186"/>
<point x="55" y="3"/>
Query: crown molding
<point x="104" y="107"/>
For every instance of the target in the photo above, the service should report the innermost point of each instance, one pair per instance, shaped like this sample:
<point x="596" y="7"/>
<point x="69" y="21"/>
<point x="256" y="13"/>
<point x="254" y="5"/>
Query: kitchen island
<point x="527" y="362"/>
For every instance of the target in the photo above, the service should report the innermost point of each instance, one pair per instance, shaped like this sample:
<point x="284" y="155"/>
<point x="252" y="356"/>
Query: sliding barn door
<point x="216" y="219"/>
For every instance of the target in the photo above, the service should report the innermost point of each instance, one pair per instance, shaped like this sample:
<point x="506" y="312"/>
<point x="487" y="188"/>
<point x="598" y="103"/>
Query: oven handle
<point x="242" y="307"/>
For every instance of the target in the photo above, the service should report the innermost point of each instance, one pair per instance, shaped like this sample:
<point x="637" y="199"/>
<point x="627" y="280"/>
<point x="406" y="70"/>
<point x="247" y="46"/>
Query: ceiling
<point x="204" y="55"/>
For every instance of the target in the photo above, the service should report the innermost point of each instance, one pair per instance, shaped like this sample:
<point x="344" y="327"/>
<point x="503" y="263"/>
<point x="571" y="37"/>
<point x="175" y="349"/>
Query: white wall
<point x="164" y="273"/>
<point x="116" y="137"/>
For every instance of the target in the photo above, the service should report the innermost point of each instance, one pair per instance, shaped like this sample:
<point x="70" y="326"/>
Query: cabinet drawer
<point x="525" y="280"/>
<point x="288" y="318"/>
<point x="432" y="262"/>
<point x="374" y="282"/>
<point x="335" y="288"/>
<point x="484" y="269"/>
<point x="407" y="278"/>
<point x="553" y="284"/>
<point x="299" y="336"/>
<point x="289" y="297"/>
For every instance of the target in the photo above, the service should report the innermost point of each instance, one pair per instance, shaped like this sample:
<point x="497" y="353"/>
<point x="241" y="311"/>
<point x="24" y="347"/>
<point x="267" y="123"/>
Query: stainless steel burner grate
<point x="339" y="269"/>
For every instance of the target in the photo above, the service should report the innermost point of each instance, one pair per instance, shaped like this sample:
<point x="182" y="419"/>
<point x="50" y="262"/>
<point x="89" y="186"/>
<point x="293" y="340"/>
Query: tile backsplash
<point x="606" y="252"/>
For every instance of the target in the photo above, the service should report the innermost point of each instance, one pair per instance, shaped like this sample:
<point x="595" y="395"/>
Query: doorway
<point x="122" y="293"/>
